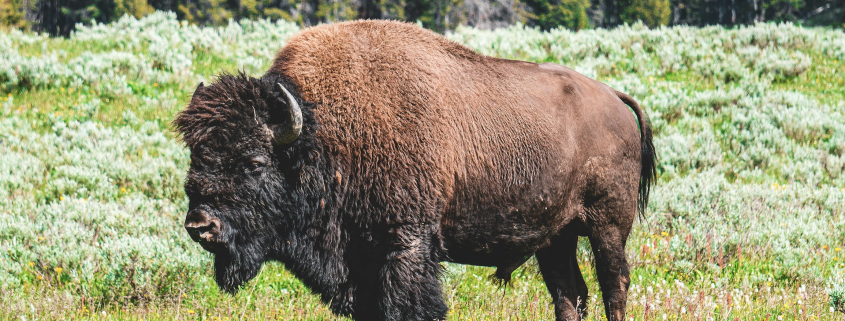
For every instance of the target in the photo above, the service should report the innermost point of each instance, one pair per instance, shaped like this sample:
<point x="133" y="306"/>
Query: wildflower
<point x="837" y="249"/>
<point x="61" y="198"/>
<point x="184" y="295"/>
<point x="58" y="270"/>
<point x="664" y="234"/>
<point x="123" y="189"/>
<point x="190" y="311"/>
<point x="31" y="263"/>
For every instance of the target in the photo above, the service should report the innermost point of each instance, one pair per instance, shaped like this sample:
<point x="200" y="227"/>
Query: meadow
<point x="746" y="222"/>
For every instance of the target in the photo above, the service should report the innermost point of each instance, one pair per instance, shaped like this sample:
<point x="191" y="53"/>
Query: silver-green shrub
<point x="748" y="169"/>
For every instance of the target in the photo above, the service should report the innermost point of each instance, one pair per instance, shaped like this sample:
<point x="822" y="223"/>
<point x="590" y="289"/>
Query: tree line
<point x="58" y="17"/>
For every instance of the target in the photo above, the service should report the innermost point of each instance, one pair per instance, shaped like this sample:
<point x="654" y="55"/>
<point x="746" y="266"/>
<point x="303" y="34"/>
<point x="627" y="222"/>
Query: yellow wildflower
<point x="58" y="270"/>
<point x="190" y="311"/>
<point x="31" y="263"/>
<point x="61" y="198"/>
<point x="123" y="189"/>
<point x="664" y="234"/>
<point x="155" y="85"/>
<point x="837" y="249"/>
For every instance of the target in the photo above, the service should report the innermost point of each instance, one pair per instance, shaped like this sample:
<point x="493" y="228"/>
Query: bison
<point x="371" y="151"/>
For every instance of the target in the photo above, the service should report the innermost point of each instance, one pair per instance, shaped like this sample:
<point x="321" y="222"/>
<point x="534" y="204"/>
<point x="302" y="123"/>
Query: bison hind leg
<point x="559" y="266"/>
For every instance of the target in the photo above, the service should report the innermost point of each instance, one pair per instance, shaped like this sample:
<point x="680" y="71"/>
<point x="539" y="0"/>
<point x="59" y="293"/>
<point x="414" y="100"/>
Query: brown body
<point x="438" y="153"/>
<point x="506" y="151"/>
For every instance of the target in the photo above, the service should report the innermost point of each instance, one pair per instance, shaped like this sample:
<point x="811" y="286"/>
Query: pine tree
<point x="549" y="14"/>
<point x="651" y="12"/>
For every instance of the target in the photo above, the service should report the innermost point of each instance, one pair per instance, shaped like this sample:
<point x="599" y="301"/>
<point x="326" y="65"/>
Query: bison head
<point x="241" y="132"/>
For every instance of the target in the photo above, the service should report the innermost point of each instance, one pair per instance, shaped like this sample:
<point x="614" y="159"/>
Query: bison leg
<point x="406" y="286"/>
<point x="559" y="267"/>
<point x="343" y="301"/>
<point x="608" y="242"/>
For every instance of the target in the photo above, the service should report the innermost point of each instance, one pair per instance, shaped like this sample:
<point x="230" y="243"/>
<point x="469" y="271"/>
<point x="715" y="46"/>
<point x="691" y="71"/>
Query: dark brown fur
<point x="418" y="150"/>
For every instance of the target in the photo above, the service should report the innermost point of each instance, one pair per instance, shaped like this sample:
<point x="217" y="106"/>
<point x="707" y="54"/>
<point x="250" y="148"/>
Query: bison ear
<point x="286" y="133"/>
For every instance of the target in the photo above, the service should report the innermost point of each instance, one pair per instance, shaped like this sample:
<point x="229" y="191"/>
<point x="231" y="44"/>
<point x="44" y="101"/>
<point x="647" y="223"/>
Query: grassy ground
<point x="704" y="252"/>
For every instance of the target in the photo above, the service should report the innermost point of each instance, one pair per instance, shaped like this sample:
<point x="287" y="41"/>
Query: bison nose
<point x="202" y="227"/>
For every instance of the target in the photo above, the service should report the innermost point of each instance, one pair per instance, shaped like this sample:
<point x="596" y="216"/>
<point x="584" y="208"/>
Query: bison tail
<point x="648" y="169"/>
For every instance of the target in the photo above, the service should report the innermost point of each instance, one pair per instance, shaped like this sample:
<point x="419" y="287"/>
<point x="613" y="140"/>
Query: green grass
<point x="725" y="238"/>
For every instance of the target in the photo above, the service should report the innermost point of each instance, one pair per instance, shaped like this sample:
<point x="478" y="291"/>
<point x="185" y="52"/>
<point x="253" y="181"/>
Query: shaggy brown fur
<point x="417" y="150"/>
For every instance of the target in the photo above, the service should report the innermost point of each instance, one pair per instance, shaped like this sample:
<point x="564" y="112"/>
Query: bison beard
<point x="234" y="266"/>
<point x="372" y="151"/>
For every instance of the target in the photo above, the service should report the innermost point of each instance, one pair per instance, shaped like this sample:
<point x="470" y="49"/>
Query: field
<point x="747" y="220"/>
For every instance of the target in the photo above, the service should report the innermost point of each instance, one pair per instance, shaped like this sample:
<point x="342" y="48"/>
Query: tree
<point x="548" y="14"/>
<point x="59" y="17"/>
<point x="651" y="12"/>
<point x="136" y="8"/>
<point x="13" y="13"/>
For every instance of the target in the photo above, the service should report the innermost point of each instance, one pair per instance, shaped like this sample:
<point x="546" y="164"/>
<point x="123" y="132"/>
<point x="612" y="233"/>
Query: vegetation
<point x="747" y="221"/>
<point x="59" y="17"/>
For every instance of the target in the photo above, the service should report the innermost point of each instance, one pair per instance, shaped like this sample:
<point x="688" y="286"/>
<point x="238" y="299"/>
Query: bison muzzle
<point x="372" y="151"/>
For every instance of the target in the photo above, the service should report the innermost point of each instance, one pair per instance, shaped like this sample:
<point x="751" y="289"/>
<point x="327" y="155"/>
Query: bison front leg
<point x="409" y="287"/>
<point x="559" y="267"/>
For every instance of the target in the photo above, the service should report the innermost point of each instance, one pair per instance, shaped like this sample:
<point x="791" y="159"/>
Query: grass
<point x="725" y="238"/>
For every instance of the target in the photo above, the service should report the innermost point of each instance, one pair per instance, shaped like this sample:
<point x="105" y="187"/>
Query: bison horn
<point x="283" y="134"/>
<point x="197" y="91"/>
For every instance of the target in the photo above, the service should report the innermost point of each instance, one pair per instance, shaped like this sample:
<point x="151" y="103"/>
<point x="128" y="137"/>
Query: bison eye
<point x="256" y="163"/>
